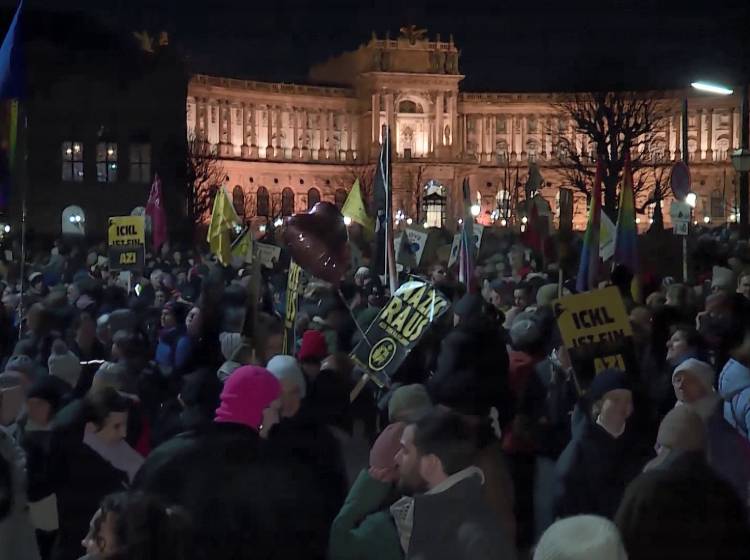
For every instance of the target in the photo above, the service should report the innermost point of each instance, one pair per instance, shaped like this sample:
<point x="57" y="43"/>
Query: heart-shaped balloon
<point x="318" y="242"/>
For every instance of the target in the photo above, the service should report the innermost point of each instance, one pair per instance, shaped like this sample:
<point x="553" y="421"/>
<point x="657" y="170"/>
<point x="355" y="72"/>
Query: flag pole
<point x="22" y="182"/>
<point x="390" y="257"/>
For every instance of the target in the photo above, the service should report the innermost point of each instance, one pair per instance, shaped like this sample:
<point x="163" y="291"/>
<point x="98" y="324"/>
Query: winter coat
<point x="243" y="503"/>
<point x="593" y="471"/>
<point x="729" y="453"/>
<point x="166" y="349"/>
<point x="81" y="478"/>
<point x="476" y="349"/>
<point x="362" y="530"/>
<point x="453" y="522"/>
<point x="498" y="486"/>
<point x="734" y="388"/>
<point x="17" y="540"/>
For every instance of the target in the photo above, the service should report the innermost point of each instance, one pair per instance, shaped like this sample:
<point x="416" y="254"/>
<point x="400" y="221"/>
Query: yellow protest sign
<point x="294" y="281"/>
<point x="126" y="239"/>
<point x="595" y="329"/>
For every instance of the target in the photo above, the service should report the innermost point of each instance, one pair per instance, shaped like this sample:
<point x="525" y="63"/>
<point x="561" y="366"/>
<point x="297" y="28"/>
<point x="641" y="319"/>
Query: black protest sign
<point x="126" y="242"/>
<point x="398" y="327"/>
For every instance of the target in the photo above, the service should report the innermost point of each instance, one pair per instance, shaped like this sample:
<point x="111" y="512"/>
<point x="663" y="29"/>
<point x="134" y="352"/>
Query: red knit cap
<point x="314" y="346"/>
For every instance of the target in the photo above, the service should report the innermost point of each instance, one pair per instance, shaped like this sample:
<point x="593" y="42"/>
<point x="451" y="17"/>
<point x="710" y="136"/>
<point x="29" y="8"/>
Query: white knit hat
<point x="582" y="537"/>
<point x="702" y="371"/>
<point x="286" y="367"/>
<point x="66" y="366"/>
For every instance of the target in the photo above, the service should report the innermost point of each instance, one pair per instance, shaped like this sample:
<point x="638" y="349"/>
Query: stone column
<point x="389" y="115"/>
<point x="332" y="150"/>
<point x="349" y="127"/>
<point x="543" y="134"/>
<point x="269" y="132"/>
<point x="493" y="139"/>
<point x="322" y="145"/>
<point x="699" y="134"/>
<point x="454" y="120"/>
<point x="279" y="145"/>
<point x="439" y="119"/>
<point x="731" y="131"/>
<point x="225" y="115"/>
<point x="253" y="131"/>
<point x="480" y="138"/>
<point x="305" y="151"/>
<point x="375" y="118"/>
<point x="510" y="124"/>
<point x="245" y="148"/>
<point x="524" y="132"/>
<point x="294" y="115"/>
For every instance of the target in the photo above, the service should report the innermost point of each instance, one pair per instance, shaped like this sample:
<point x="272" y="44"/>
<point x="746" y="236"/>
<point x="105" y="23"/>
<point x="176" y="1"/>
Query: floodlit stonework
<point x="295" y="144"/>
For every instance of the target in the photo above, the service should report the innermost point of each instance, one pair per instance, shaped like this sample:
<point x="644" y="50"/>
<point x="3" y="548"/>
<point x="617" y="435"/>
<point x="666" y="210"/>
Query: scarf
<point x="120" y="455"/>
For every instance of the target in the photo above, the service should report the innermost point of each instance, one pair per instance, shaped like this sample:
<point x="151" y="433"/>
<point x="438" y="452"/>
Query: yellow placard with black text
<point x="596" y="330"/>
<point x="126" y="242"/>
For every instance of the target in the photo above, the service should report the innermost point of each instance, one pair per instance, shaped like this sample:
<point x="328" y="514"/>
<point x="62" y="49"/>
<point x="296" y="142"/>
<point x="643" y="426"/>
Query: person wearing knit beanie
<point x="408" y="402"/>
<point x="383" y="453"/>
<point x="63" y="364"/>
<point x="581" y="537"/>
<point x="250" y="397"/>
<point x="293" y="384"/>
<point x="681" y="431"/>
<point x="692" y="380"/>
<point x="313" y="348"/>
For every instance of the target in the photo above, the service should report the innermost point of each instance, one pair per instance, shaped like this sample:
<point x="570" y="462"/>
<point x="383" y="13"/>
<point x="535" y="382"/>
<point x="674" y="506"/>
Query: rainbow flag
<point x="588" y="268"/>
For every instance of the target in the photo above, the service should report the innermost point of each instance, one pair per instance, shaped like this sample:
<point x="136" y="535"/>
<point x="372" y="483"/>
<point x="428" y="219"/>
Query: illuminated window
<point x="433" y="204"/>
<point x="106" y="162"/>
<point x="238" y="201"/>
<point x="262" y="202"/>
<point x="287" y="202"/>
<point x="313" y="197"/>
<point x="140" y="162"/>
<point x="72" y="161"/>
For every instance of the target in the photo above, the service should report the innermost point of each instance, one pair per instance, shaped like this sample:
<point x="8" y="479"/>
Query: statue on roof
<point x="413" y="34"/>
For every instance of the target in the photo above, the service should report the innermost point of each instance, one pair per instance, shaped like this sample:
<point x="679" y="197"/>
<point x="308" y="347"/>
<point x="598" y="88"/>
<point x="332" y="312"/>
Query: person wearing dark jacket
<point x="602" y="458"/>
<point x="243" y="503"/>
<point x="447" y="517"/>
<point x="477" y="347"/>
<point x="87" y="462"/>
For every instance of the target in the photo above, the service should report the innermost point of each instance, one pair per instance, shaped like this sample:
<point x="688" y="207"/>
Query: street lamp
<point x="691" y="199"/>
<point x="711" y="87"/>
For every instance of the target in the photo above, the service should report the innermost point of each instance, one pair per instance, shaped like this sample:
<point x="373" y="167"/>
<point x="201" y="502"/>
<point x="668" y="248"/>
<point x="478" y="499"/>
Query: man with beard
<point x="444" y="515"/>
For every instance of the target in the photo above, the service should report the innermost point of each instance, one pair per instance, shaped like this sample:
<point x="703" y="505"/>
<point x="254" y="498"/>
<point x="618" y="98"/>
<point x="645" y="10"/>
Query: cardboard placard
<point x="398" y="327"/>
<point x="478" y="230"/>
<point x="126" y="236"/>
<point x="292" y="301"/>
<point x="268" y="254"/>
<point x="416" y="241"/>
<point x="596" y="330"/>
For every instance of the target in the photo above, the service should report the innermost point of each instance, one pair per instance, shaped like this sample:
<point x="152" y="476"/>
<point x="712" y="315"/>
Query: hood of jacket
<point x="734" y="378"/>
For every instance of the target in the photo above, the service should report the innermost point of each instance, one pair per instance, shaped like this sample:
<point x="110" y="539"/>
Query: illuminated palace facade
<point x="284" y="146"/>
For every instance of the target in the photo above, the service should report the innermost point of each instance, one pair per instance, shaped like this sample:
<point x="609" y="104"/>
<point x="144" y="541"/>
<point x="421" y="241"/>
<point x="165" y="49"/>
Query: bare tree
<point x="205" y="174"/>
<point x="613" y="123"/>
<point x="416" y="183"/>
<point x="366" y="175"/>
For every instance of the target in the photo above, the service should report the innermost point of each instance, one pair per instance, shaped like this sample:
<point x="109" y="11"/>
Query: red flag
<point x="155" y="211"/>
<point x="533" y="236"/>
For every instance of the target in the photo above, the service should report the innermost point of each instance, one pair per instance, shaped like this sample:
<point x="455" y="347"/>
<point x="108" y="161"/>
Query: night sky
<point x="538" y="45"/>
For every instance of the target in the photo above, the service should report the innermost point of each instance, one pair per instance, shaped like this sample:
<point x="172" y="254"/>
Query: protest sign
<point x="416" y="241"/>
<point x="607" y="234"/>
<point x="478" y="230"/>
<point x="268" y="254"/>
<point x="596" y="330"/>
<point x="398" y="327"/>
<point x="292" y="300"/>
<point x="126" y="237"/>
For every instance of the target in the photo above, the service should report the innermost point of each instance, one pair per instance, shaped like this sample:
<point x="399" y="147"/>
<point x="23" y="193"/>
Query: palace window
<point x="140" y="162"/>
<point x="717" y="204"/>
<point x="72" y="161"/>
<point x="313" y="197"/>
<point x="262" y="202"/>
<point x="106" y="162"/>
<point x="238" y="201"/>
<point x="340" y="198"/>
<point x="408" y="106"/>
<point x="287" y="202"/>
<point x="433" y="204"/>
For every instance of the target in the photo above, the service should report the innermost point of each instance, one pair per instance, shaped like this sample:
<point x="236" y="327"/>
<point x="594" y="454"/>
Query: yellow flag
<point x="223" y="220"/>
<point x="241" y="247"/>
<point x="354" y="208"/>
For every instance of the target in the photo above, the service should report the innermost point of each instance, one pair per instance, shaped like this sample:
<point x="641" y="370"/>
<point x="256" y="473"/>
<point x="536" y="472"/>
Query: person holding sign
<point x="601" y="459"/>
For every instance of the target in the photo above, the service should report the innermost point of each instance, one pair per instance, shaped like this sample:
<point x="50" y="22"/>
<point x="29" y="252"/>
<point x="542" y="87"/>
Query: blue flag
<point x="11" y="60"/>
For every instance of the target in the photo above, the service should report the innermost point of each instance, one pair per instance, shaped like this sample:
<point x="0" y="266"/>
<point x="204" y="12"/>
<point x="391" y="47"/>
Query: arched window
<point x="408" y="106"/>
<point x="262" y="203"/>
<point x="313" y="197"/>
<point x="340" y="198"/>
<point x="238" y="201"/>
<point x="433" y="204"/>
<point x="287" y="202"/>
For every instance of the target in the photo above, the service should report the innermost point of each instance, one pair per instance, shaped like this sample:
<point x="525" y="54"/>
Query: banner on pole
<point x="268" y="254"/>
<point x="292" y="300"/>
<point x="398" y="327"/>
<point x="596" y="330"/>
<point x="126" y="237"/>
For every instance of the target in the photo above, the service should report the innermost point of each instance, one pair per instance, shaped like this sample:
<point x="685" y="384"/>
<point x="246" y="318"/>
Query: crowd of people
<point x="155" y="415"/>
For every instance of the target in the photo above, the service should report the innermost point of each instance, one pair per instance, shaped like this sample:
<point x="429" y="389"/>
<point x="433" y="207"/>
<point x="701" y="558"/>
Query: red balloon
<point x="318" y="242"/>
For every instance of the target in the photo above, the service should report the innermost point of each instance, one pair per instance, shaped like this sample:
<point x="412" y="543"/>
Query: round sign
<point x="679" y="180"/>
<point x="382" y="354"/>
